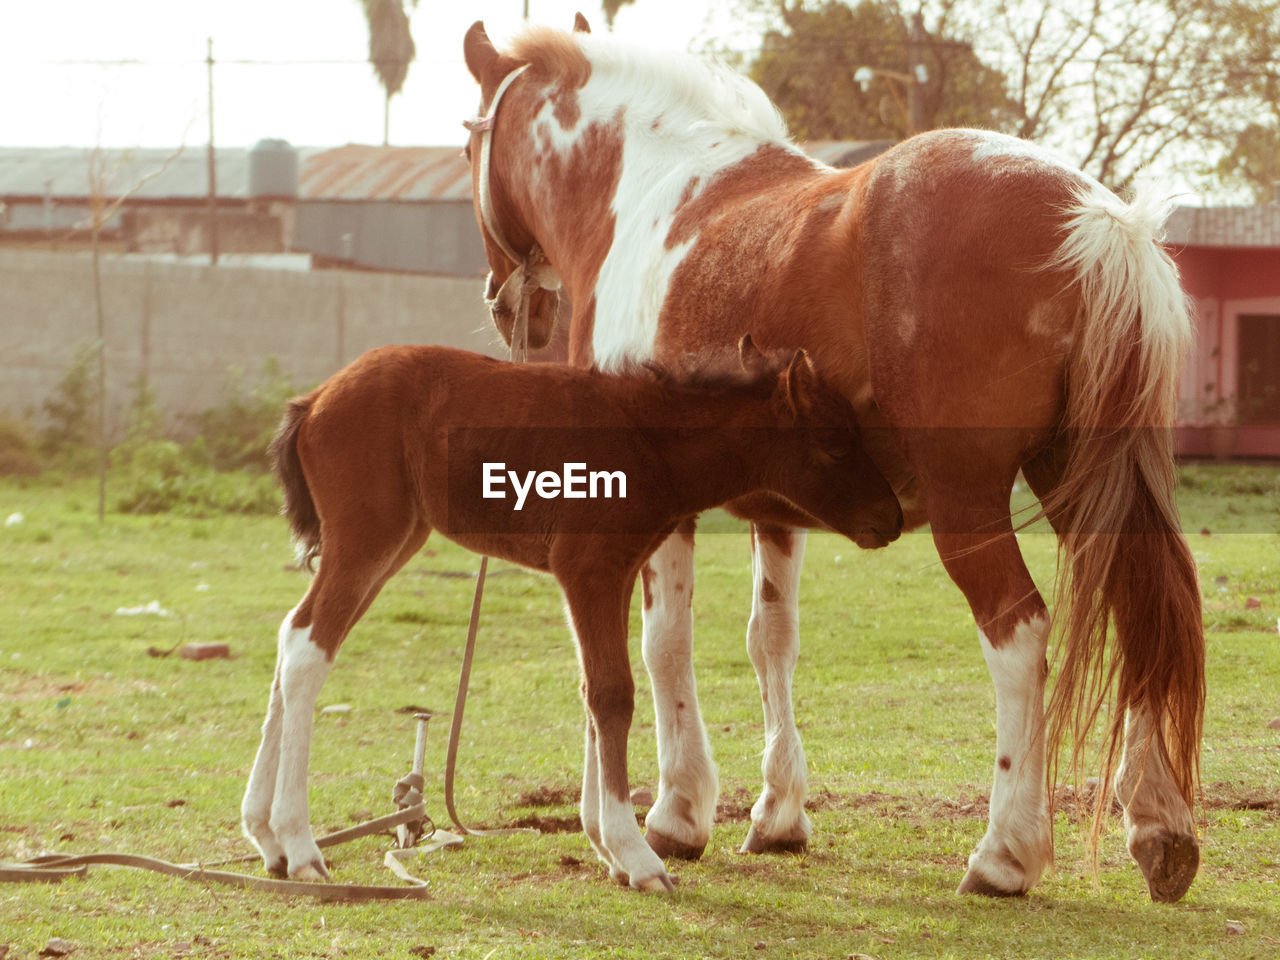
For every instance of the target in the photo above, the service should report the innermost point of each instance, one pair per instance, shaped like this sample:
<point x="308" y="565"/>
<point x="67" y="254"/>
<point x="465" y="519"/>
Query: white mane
<point x="681" y="89"/>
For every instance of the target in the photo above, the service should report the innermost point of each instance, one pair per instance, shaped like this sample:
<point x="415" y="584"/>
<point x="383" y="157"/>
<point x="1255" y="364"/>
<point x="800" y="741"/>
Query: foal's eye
<point x="839" y="453"/>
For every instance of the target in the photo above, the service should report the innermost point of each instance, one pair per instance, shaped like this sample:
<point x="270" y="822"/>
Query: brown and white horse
<point x="574" y="472"/>
<point x="994" y="309"/>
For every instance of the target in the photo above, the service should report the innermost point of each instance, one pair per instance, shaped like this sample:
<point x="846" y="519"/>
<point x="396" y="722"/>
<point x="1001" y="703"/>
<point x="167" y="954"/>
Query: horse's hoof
<point x="756" y="842"/>
<point x="978" y="885"/>
<point x="1169" y="862"/>
<point x="313" y="871"/>
<point x="661" y="883"/>
<point x="665" y="845"/>
<point x="995" y="872"/>
<point x="278" y="868"/>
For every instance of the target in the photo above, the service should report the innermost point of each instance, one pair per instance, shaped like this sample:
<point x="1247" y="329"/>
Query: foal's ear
<point x="478" y="51"/>
<point x="750" y="356"/>
<point x="798" y="382"/>
<point x="580" y="24"/>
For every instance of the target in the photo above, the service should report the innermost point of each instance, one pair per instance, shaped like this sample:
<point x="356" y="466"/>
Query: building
<point x="152" y="201"/>
<point x="1229" y="259"/>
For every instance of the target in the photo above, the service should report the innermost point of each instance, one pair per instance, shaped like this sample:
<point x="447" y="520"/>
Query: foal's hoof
<point x="662" y="883"/>
<point x="1169" y="862"/>
<point x="313" y="871"/>
<point x="278" y="869"/>
<point x="757" y="842"/>
<point x="665" y="845"/>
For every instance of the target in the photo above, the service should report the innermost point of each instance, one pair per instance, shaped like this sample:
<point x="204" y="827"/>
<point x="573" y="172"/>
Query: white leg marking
<point x="589" y="804"/>
<point x="303" y="670"/>
<point x="1017" y="845"/>
<point x="255" y="809"/>
<point x="680" y="821"/>
<point x="1145" y="787"/>
<point x="773" y="644"/>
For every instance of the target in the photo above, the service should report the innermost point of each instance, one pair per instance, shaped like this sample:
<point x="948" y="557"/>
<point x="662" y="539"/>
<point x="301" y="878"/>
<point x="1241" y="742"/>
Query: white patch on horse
<point x="987" y="146"/>
<point x="303" y="669"/>
<point x="907" y="323"/>
<point x="1017" y="845"/>
<point x="684" y="119"/>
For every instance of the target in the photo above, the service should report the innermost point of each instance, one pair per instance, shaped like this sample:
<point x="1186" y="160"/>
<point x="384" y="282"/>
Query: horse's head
<point x="520" y="277"/>
<point x="831" y="477"/>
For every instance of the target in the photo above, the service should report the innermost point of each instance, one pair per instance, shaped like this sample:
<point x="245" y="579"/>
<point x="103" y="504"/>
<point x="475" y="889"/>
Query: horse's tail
<point x="299" y="507"/>
<point x="1122" y="557"/>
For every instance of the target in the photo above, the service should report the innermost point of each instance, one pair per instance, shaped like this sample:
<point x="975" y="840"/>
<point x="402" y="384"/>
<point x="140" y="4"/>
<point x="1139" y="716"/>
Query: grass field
<point x="104" y="747"/>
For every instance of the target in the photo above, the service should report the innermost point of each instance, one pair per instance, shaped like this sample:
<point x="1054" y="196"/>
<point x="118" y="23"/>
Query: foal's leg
<point x="1013" y="629"/>
<point x="679" y="823"/>
<point x="598" y="607"/>
<point x="274" y="811"/>
<point x="778" y="820"/>
<point x="255" y="809"/>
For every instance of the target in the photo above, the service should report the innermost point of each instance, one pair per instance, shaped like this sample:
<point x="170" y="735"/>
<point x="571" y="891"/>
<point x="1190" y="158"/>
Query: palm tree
<point x="391" y="49"/>
<point x="611" y="8"/>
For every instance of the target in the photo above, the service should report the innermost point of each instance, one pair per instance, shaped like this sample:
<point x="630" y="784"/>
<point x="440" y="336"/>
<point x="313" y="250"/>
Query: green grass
<point x="105" y="747"/>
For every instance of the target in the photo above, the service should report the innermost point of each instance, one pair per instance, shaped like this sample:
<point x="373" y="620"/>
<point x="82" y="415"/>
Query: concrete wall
<point x="185" y="326"/>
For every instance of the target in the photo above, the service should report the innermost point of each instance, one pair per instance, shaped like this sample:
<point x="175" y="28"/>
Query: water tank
<point x="273" y="169"/>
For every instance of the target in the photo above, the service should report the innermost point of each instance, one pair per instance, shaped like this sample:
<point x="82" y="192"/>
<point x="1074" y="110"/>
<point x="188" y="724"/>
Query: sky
<point x="307" y="79"/>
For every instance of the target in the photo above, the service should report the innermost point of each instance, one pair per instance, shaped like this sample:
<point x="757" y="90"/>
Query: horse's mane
<point x="707" y="370"/>
<point x="679" y="87"/>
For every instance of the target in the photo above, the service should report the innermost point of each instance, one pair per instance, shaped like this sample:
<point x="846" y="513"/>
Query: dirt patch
<point x="548" y="796"/>
<point x="548" y="824"/>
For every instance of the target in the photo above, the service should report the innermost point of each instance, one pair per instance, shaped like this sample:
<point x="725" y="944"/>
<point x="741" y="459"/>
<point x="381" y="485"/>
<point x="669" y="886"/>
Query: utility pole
<point x="916" y="69"/>
<point x="213" y="175"/>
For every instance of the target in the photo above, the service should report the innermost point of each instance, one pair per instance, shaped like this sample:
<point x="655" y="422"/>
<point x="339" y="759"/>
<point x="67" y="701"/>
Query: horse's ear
<point x="478" y="51"/>
<point x="798" y="382"/>
<point x="580" y="24"/>
<point x="750" y="356"/>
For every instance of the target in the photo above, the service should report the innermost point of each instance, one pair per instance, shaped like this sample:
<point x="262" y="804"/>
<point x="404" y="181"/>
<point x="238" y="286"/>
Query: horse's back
<point x="968" y="322"/>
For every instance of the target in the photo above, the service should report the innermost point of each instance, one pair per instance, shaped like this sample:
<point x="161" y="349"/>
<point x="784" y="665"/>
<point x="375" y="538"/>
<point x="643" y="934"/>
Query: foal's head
<point x="819" y="463"/>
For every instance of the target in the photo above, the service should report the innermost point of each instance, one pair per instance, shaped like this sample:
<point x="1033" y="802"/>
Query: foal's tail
<point x="1122" y="556"/>
<point x="285" y="462"/>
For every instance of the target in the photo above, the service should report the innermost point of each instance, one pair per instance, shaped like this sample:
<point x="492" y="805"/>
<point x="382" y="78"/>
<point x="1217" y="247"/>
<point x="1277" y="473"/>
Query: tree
<point x="808" y="62"/>
<point x="391" y="49"/>
<point x="1253" y="162"/>
<point x="1121" y="86"/>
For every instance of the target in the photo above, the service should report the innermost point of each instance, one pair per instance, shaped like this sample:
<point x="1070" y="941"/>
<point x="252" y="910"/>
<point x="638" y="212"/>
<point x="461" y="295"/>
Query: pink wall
<point x="1224" y="283"/>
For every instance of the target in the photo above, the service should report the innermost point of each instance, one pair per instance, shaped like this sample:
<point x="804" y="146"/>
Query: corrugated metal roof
<point x="64" y="172"/>
<point x="359" y="172"/>
<point x="351" y="172"/>
<point x="1224" y="226"/>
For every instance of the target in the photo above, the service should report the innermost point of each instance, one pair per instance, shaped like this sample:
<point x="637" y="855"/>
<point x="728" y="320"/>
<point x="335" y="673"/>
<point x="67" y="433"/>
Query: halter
<point x="532" y="270"/>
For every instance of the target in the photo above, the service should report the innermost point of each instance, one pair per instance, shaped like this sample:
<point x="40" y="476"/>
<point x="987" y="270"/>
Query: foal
<point x="410" y="439"/>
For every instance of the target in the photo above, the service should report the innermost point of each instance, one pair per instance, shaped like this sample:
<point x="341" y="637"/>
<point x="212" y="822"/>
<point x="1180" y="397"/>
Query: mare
<point x="403" y="442"/>
<point x="986" y="307"/>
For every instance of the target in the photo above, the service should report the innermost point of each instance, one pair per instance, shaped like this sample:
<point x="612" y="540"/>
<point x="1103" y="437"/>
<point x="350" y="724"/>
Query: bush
<point x="163" y="477"/>
<point x="17" y="449"/>
<point x="70" y="437"/>
<point x="237" y="433"/>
